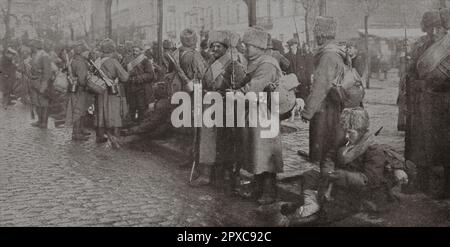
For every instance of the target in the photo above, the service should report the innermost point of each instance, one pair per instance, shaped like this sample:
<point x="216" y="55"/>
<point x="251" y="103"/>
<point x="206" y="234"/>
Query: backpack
<point x="285" y="86"/>
<point x="349" y="87"/>
<point x="178" y="79"/>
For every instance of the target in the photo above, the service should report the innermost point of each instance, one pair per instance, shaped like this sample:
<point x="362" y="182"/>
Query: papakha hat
<point x="325" y="26"/>
<point x="355" y="118"/>
<point x="256" y="37"/>
<point x="167" y="44"/>
<point x="80" y="47"/>
<point x="292" y="41"/>
<point x="107" y="46"/>
<point x="445" y="17"/>
<point x="37" y="43"/>
<point x="431" y="19"/>
<point x="188" y="38"/>
<point x="222" y="37"/>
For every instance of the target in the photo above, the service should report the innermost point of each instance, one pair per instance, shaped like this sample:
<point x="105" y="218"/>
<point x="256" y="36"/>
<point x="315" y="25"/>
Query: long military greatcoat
<point x="261" y="154"/>
<point x="41" y="74"/>
<point x="77" y="102"/>
<point x="322" y="109"/>
<point x="111" y="109"/>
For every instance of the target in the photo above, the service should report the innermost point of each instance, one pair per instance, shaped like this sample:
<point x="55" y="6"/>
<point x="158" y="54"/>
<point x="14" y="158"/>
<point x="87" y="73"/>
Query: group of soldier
<point x="354" y="170"/>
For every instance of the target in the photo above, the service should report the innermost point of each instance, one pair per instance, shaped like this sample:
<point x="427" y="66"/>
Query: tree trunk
<point x="306" y="27"/>
<point x="108" y="9"/>
<point x="160" y="31"/>
<point x="322" y="7"/>
<point x="7" y="19"/>
<point x="72" y="33"/>
<point x="366" y="42"/>
<point x="251" y="5"/>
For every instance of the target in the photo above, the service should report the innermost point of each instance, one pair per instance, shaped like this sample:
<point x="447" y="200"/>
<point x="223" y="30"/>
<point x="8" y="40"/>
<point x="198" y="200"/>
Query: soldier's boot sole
<point x="200" y="182"/>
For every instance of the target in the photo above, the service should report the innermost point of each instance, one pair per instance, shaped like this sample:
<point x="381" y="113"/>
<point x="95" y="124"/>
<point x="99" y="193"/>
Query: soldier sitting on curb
<point x="360" y="175"/>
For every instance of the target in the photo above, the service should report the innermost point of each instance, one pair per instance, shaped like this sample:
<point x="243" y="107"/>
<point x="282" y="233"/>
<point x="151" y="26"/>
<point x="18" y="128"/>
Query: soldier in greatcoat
<point x="78" y="100"/>
<point x="142" y="75"/>
<point x="8" y="75"/>
<point x="111" y="109"/>
<point x="217" y="150"/>
<point x="40" y="75"/>
<point x="262" y="156"/>
<point x="322" y="109"/>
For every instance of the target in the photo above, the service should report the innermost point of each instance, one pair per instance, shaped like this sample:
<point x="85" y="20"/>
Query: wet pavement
<point x="47" y="180"/>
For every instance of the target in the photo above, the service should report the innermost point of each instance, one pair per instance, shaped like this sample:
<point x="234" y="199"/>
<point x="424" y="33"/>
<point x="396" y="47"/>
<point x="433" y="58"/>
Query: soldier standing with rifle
<point x="41" y="73"/>
<point x="78" y="71"/>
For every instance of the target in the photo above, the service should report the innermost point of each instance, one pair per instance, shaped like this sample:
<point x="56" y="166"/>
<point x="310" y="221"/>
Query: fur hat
<point x="325" y="26"/>
<point x="355" y="118"/>
<point x="11" y="51"/>
<point x="188" y="38"/>
<point x="277" y="45"/>
<point x="431" y="19"/>
<point x="445" y="17"/>
<point x="167" y="44"/>
<point x="222" y="37"/>
<point x="107" y="46"/>
<point x="80" y="47"/>
<point x="37" y="43"/>
<point x="292" y="41"/>
<point x="256" y="37"/>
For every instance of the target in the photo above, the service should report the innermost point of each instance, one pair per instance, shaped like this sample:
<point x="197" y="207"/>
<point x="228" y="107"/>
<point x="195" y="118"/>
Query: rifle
<point x="72" y="82"/>
<point x="330" y="186"/>
<point x="110" y="83"/>
<point x="296" y="30"/>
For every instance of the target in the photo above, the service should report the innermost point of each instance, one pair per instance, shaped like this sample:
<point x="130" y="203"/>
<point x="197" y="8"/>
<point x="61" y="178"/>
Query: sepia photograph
<point x="224" y="113"/>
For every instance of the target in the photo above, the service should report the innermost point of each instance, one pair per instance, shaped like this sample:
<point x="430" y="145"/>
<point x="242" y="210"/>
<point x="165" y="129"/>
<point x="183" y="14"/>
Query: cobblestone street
<point x="46" y="180"/>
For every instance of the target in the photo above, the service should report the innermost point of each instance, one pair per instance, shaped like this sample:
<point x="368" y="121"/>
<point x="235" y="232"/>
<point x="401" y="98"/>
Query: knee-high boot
<point x="44" y="116"/>
<point x="101" y="135"/>
<point x="77" y="135"/>
<point x="269" y="192"/>
<point x="37" y="124"/>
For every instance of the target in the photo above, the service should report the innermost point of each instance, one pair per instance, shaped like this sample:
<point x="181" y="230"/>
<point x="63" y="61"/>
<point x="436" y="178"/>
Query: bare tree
<point x="6" y="19"/>
<point x="251" y="5"/>
<point x="369" y="7"/>
<point x="308" y="6"/>
<point x="322" y="7"/>
<point x="108" y="9"/>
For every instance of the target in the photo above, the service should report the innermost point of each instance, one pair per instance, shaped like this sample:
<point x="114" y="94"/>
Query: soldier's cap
<point x="325" y="26"/>
<point x="257" y="37"/>
<point x="222" y="37"/>
<point x="11" y="51"/>
<point x="292" y="41"/>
